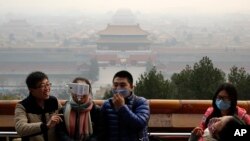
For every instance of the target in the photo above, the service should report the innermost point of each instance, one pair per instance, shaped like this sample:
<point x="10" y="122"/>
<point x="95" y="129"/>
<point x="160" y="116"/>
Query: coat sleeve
<point x="193" y="137"/>
<point x="23" y="127"/>
<point x="242" y="113"/>
<point x="138" y="117"/>
<point x="204" y="118"/>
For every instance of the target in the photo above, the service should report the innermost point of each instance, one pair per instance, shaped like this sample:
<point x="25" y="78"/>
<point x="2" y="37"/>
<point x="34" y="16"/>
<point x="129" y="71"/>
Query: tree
<point x="152" y="85"/>
<point x="199" y="82"/>
<point x="9" y="97"/>
<point x="93" y="70"/>
<point x="206" y="78"/>
<point x="182" y="83"/>
<point x="108" y="94"/>
<point x="241" y="80"/>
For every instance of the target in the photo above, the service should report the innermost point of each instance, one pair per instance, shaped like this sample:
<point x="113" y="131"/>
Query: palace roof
<point x="123" y="30"/>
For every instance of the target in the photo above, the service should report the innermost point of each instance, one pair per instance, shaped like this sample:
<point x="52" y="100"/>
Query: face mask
<point x="123" y="92"/>
<point x="223" y="105"/>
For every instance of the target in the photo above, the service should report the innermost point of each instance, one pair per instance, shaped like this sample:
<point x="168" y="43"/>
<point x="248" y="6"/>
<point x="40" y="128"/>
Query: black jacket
<point x="62" y="133"/>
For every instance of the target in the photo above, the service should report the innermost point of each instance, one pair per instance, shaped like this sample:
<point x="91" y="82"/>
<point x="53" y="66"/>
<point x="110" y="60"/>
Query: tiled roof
<point x="123" y="30"/>
<point x="123" y="40"/>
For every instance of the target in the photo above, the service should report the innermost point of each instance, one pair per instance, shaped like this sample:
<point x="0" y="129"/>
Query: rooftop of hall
<point x="123" y="30"/>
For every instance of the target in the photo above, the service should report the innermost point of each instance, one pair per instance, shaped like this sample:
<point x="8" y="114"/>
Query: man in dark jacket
<point x="125" y="115"/>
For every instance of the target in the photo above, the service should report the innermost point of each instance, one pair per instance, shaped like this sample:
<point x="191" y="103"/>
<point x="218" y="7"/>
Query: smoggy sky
<point x="144" y="6"/>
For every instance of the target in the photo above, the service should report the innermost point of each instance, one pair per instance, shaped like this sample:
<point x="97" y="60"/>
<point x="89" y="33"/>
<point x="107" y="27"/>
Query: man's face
<point x="122" y="83"/>
<point x="42" y="90"/>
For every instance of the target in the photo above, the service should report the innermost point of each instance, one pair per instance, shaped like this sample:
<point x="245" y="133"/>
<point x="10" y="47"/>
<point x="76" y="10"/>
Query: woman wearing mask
<point x="224" y="103"/>
<point x="80" y="114"/>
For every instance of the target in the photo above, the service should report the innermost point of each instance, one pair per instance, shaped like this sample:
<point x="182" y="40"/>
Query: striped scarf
<point x="77" y="116"/>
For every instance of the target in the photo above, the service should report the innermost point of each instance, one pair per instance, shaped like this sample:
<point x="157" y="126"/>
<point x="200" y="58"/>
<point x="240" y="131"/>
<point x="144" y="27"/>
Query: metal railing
<point x="12" y="134"/>
<point x="169" y="134"/>
<point x="8" y="135"/>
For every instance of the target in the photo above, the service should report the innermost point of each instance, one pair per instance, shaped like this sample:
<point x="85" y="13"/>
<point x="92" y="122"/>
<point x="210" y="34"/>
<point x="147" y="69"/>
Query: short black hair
<point x="84" y="80"/>
<point x="34" y="77"/>
<point x="124" y="74"/>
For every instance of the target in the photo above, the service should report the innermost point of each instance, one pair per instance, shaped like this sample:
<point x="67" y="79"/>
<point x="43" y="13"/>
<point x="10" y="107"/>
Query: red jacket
<point x="241" y="112"/>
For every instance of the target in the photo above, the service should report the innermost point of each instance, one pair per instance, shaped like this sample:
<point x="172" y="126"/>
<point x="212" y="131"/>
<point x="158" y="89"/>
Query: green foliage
<point x="241" y="80"/>
<point x="199" y="82"/>
<point x="182" y="83"/>
<point x="107" y="94"/>
<point x="9" y="97"/>
<point x="237" y="75"/>
<point x="206" y="78"/>
<point x="152" y="85"/>
<point x="194" y="82"/>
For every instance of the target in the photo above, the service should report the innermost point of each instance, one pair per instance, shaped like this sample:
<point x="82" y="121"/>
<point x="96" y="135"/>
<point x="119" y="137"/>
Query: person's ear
<point x="132" y="87"/>
<point x="31" y="90"/>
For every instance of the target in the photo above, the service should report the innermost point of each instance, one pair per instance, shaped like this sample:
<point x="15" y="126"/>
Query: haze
<point x="146" y="6"/>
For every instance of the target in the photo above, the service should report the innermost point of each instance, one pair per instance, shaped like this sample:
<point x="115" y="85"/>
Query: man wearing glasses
<point x="36" y="115"/>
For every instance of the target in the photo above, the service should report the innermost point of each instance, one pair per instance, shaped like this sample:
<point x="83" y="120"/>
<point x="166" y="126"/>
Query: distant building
<point x="123" y="37"/>
<point x="124" y="17"/>
<point x="61" y="64"/>
<point x="17" y="24"/>
<point x="123" y="44"/>
<point x="16" y="29"/>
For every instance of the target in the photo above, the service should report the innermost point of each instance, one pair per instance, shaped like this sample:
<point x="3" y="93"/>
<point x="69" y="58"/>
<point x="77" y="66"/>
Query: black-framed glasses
<point x="223" y="97"/>
<point x="42" y="86"/>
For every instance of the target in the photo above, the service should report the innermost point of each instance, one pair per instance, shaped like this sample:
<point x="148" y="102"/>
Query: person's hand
<point x="198" y="131"/>
<point x="54" y="120"/>
<point x="118" y="101"/>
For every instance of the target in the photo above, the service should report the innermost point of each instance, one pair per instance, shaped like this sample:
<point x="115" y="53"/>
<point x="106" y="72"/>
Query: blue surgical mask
<point x="222" y="105"/>
<point x="123" y="92"/>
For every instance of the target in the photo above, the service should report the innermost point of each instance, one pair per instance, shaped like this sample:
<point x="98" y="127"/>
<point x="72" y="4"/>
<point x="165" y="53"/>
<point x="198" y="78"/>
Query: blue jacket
<point x="129" y="123"/>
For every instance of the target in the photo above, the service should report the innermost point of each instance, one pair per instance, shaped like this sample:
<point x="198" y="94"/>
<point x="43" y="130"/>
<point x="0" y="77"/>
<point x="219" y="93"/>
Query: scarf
<point x="78" y="120"/>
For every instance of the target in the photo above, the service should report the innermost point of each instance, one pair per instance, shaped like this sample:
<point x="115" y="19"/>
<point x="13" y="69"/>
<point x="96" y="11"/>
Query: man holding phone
<point x="125" y="115"/>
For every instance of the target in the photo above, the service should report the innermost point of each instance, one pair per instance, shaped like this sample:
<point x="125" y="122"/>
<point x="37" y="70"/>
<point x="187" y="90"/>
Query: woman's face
<point x="223" y="95"/>
<point x="223" y="102"/>
<point x="83" y="98"/>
